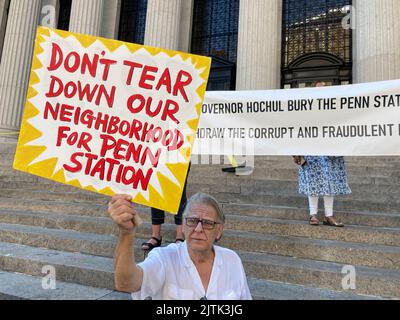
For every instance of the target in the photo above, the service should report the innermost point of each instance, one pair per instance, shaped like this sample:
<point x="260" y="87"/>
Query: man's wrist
<point x="126" y="233"/>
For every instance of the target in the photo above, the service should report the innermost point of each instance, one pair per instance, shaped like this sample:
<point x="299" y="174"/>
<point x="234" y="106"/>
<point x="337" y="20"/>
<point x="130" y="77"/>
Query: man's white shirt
<point x="170" y="274"/>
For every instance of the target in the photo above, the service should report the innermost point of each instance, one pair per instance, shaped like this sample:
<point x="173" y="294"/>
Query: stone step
<point x="98" y="271"/>
<point x="357" y="174"/>
<point x="321" y="274"/>
<point x="78" y="196"/>
<point x="7" y="160"/>
<point x="42" y="185"/>
<point x="387" y="177"/>
<point x="279" y="171"/>
<point x="360" y="178"/>
<point x="87" y="224"/>
<point x="287" y="175"/>
<point x="286" y="162"/>
<point x="265" y="161"/>
<point x="376" y="189"/>
<point x="263" y="225"/>
<point x="290" y="188"/>
<point x="272" y="290"/>
<point x="11" y="285"/>
<point x="67" y="208"/>
<point x="7" y="145"/>
<point x="258" y="172"/>
<point x="58" y="239"/>
<point x="372" y="219"/>
<point x="344" y="203"/>
<point x="15" y="286"/>
<point x="247" y="192"/>
<point x="326" y="250"/>
<point x="351" y="233"/>
<point x="7" y="155"/>
<point x="71" y="267"/>
<point x="16" y="176"/>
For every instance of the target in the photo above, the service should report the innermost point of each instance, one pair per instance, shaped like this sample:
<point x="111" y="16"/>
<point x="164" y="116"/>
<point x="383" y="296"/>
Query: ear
<point x="220" y="231"/>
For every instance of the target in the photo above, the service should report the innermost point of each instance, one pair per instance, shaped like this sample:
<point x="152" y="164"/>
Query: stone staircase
<point x="44" y="223"/>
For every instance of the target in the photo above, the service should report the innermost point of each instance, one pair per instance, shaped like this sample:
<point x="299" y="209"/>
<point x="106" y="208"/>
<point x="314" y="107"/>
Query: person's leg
<point x="178" y="218"/>
<point x="328" y="204"/>
<point x="313" y="205"/>
<point x="329" y="218"/>
<point x="157" y="219"/>
<point x="178" y="222"/>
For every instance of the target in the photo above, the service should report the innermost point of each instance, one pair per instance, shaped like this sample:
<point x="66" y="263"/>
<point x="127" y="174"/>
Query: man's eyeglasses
<point x="206" y="224"/>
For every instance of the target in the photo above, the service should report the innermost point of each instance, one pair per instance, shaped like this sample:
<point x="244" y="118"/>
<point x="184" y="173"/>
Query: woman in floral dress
<point x="321" y="176"/>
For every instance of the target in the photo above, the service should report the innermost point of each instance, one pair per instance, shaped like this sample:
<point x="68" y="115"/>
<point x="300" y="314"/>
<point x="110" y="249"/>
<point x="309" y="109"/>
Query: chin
<point x="199" y="244"/>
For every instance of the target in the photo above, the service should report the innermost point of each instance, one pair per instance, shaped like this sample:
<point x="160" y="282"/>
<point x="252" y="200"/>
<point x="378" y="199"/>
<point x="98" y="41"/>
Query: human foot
<point x="331" y="221"/>
<point x="151" y="244"/>
<point x="314" y="220"/>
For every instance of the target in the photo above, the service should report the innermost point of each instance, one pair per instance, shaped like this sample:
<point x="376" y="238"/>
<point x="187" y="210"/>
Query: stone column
<point x="376" y="41"/>
<point x="86" y="17"/>
<point x="3" y="21"/>
<point x="16" y="61"/>
<point x="185" y="29"/>
<point x="162" y="24"/>
<point x="111" y="17"/>
<point x="259" y="45"/>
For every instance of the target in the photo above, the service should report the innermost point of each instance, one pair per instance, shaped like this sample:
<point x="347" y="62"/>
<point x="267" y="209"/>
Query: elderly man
<point x="191" y="270"/>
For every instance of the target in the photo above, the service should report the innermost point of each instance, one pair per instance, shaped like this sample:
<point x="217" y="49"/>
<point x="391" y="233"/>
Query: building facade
<point x="255" y="44"/>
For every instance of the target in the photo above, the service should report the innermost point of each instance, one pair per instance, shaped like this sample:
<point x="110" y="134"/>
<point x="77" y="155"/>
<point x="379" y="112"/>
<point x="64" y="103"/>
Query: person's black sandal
<point x="151" y="246"/>
<point x="179" y="240"/>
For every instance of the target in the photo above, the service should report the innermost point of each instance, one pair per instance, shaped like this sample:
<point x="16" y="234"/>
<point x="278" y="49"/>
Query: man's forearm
<point x="128" y="277"/>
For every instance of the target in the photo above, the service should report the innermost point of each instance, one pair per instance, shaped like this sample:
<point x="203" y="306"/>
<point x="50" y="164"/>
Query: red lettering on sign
<point x="74" y="160"/>
<point x="133" y="66"/>
<point x="180" y="84"/>
<point x="171" y="108"/>
<point x="146" y="77"/>
<point x="165" y="81"/>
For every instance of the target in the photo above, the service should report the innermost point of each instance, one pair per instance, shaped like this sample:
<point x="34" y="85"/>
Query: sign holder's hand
<point x="124" y="213"/>
<point x="137" y="221"/>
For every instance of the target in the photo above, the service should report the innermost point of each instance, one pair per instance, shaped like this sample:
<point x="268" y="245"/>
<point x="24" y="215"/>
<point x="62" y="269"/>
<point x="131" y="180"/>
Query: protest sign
<point x="111" y="117"/>
<point x="352" y="120"/>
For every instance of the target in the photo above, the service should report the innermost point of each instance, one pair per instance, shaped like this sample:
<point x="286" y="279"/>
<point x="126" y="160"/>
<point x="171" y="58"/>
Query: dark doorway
<point x="64" y="15"/>
<point x="222" y="75"/>
<point x="309" y="68"/>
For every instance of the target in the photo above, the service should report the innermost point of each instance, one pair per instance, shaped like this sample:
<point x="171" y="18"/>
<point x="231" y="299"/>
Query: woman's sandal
<point x="328" y="222"/>
<point x="179" y="240"/>
<point x="314" y="220"/>
<point x="151" y="246"/>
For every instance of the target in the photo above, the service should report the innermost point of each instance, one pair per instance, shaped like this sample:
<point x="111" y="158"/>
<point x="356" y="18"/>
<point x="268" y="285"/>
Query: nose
<point x="199" y="227"/>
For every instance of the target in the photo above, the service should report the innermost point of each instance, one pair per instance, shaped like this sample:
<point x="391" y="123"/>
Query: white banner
<point x="353" y="120"/>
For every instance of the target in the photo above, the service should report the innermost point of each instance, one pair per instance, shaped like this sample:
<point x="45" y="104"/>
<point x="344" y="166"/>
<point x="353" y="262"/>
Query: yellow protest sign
<point x="111" y="117"/>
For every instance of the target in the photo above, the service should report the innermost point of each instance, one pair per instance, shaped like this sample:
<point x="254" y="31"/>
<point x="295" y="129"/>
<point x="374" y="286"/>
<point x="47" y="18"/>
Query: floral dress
<point x="323" y="176"/>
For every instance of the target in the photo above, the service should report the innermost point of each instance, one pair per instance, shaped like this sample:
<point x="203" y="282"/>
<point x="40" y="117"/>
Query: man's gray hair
<point x="203" y="198"/>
